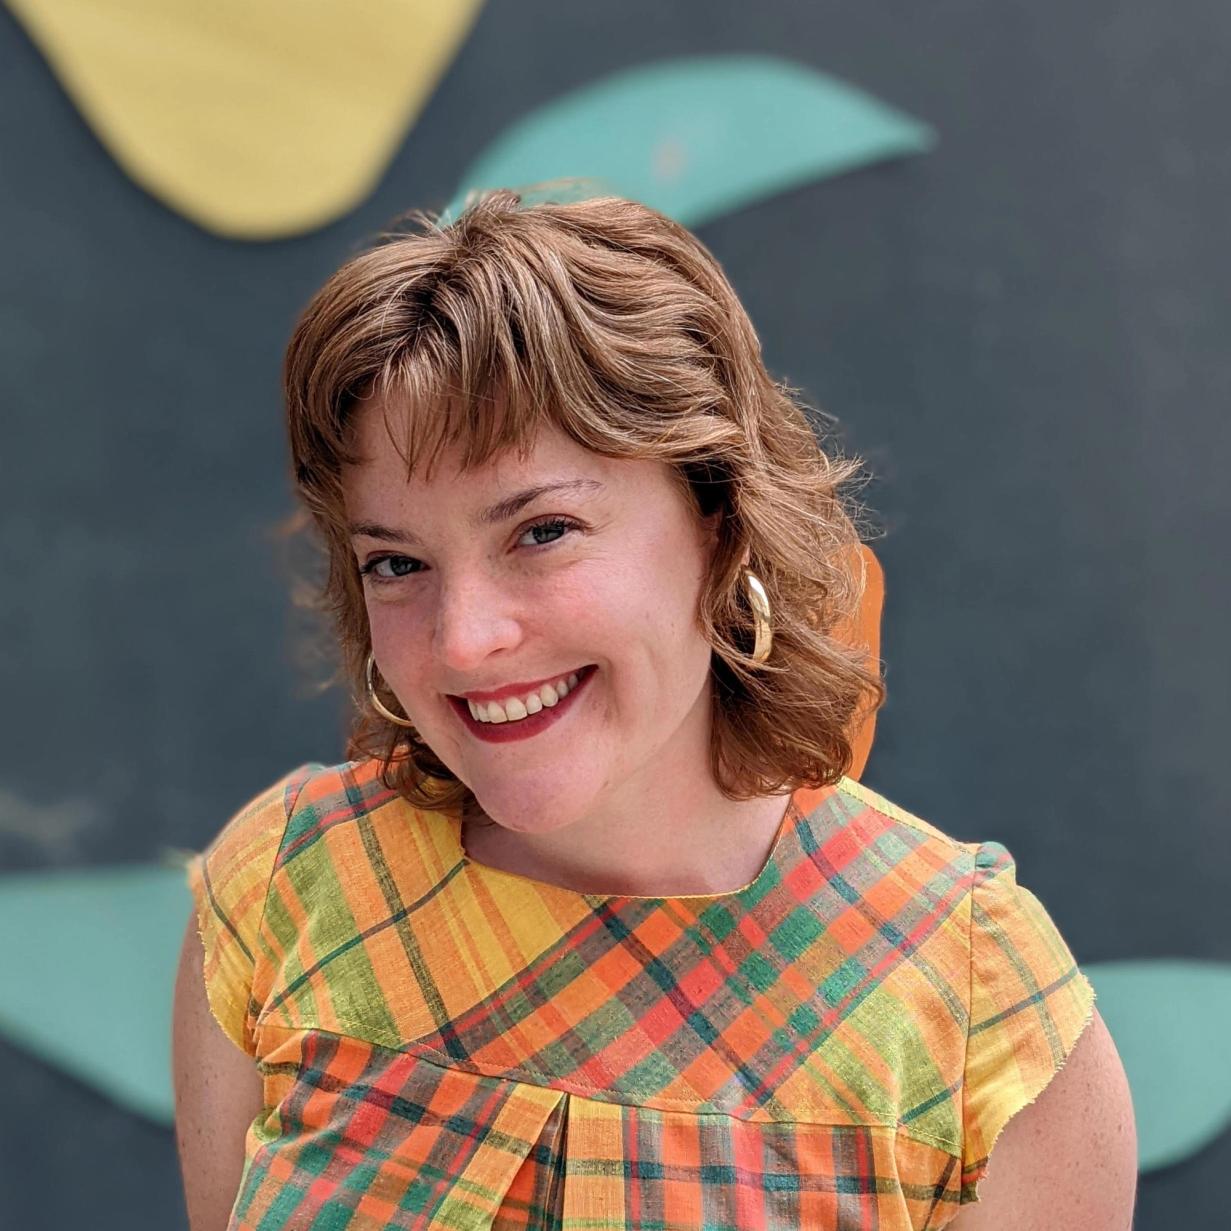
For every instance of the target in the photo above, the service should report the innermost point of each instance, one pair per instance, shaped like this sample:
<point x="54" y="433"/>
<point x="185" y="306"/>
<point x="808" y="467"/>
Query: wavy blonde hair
<point x="614" y="324"/>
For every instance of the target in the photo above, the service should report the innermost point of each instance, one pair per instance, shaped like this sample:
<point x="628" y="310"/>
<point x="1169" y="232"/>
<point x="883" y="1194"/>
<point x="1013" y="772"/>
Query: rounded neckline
<point x="793" y="815"/>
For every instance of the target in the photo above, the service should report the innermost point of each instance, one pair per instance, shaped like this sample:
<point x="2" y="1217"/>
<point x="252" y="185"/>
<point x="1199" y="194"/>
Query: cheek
<point x="640" y="614"/>
<point x="604" y="601"/>
<point x="395" y="640"/>
<point x="381" y="623"/>
<point x="381" y="617"/>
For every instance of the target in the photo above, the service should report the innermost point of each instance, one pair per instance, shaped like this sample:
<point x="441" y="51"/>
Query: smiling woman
<point x="438" y="376"/>
<point x="604" y="580"/>
<point x="593" y="929"/>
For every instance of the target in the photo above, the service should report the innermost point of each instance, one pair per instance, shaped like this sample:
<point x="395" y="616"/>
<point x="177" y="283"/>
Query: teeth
<point x="516" y="708"/>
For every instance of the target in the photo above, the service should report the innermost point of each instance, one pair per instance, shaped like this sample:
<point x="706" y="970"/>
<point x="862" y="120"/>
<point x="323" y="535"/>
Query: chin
<point x="517" y="810"/>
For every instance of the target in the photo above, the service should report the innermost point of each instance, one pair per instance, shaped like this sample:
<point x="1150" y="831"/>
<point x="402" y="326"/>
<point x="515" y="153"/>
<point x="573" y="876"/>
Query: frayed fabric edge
<point x="1088" y="1017"/>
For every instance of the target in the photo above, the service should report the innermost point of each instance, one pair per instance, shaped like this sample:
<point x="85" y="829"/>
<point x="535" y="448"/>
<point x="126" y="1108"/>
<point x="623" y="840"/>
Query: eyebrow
<point x="499" y="512"/>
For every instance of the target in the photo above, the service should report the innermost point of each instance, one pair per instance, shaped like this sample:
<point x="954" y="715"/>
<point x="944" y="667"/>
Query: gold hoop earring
<point x="376" y="701"/>
<point x="759" y="602"/>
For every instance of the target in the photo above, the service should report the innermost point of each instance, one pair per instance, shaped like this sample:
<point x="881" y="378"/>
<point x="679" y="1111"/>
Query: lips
<point x="516" y="690"/>
<point x="523" y="728"/>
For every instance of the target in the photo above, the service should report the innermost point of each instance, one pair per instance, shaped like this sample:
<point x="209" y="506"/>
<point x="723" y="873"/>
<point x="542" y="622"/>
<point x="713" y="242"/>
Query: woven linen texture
<point x="446" y="1045"/>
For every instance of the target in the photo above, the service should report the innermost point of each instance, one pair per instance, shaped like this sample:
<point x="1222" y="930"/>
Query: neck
<point x="663" y="832"/>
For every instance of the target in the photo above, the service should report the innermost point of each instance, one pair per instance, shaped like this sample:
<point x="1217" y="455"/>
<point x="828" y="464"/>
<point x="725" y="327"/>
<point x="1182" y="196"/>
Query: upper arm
<point x="218" y="1088"/>
<point x="1069" y="1159"/>
<point x="218" y="1093"/>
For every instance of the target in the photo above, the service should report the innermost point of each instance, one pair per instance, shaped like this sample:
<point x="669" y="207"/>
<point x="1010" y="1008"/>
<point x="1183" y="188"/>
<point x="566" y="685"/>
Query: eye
<point x="399" y="566"/>
<point x="394" y="568"/>
<point x="556" y="526"/>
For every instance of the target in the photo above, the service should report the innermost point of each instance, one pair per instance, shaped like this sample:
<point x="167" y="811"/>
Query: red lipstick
<point x="522" y="728"/>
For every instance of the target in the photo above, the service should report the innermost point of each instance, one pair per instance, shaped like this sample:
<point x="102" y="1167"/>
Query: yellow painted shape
<point x="257" y="119"/>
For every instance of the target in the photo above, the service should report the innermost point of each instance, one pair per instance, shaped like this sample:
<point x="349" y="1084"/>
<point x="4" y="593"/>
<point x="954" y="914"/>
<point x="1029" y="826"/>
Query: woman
<point x="592" y="930"/>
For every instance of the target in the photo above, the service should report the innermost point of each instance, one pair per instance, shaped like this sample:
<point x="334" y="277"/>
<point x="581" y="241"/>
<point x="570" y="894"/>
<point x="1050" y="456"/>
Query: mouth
<point x="514" y="729"/>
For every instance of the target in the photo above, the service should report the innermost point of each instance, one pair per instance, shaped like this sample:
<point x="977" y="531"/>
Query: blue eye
<point x="553" y="524"/>
<point x="395" y="562"/>
<point x="408" y="566"/>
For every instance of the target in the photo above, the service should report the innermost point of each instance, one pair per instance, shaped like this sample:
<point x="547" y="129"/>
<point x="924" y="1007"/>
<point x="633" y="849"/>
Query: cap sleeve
<point x="1029" y="1003"/>
<point x="229" y="882"/>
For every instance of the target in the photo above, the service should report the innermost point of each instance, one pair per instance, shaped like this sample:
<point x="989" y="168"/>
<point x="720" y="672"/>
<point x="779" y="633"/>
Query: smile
<point x="517" y="718"/>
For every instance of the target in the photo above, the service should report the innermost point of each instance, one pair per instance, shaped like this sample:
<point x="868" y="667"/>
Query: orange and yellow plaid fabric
<point x="445" y="1045"/>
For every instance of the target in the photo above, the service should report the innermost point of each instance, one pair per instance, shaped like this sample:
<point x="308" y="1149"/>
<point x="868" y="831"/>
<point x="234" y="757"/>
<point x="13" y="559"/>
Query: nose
<point x="475" y="619"/>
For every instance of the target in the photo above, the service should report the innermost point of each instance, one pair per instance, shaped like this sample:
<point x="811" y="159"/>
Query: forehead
<point x="380" y="432"/>
<point x="382" y="474"/>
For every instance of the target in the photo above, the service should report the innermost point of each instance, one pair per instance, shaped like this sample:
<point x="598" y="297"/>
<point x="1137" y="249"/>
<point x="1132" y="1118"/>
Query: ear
<point x="709" y="527"/>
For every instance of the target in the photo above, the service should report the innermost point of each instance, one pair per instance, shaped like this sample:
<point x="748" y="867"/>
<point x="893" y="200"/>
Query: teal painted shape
<point x="697" y="137"/>
<point x="87" y="972"/>
<point x="1168" y="1018"/>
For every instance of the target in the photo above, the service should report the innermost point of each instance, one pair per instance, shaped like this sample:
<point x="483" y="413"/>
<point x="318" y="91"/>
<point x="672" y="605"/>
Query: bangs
<point x="480" y="373"/>
<point x="428" y="413"/>
<point x="469" y="340"/>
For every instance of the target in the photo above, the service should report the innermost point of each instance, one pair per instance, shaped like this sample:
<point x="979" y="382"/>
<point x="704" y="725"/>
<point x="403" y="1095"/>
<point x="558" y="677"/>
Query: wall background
<point x="1024" y="332"/>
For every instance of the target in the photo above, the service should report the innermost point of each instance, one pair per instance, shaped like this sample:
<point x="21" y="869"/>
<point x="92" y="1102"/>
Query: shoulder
<point x="860" y="795"/>
<point x="988" y="869"/>
<point x="228" y="874"/>
<point x="305" y="798"/>
<point x="229" y="883"/>
<point x="230" y="878"/>
<point x="361" y="784"/>
<point x="911" y="846"/>
<point x="1041" y="1078"/>
<point x="1070" y="1157"/>
<point x="330" y="801"/>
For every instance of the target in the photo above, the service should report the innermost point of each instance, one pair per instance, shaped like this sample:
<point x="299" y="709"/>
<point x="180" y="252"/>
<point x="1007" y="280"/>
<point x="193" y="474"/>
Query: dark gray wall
<point x="1024" y="332"/>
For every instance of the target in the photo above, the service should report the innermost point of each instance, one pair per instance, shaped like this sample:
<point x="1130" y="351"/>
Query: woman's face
<point x="600" y="576"/>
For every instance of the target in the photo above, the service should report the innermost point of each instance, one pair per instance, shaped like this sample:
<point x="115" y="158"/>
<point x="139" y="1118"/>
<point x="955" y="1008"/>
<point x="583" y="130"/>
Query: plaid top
<point x="447" y="1045"/>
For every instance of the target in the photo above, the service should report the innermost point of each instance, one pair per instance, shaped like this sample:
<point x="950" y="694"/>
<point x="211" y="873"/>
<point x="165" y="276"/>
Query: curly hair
<point x="617" y="326"/>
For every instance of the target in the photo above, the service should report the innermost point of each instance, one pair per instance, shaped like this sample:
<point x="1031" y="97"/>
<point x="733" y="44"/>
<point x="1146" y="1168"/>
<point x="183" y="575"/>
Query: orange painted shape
<point x="865" y="630"/>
